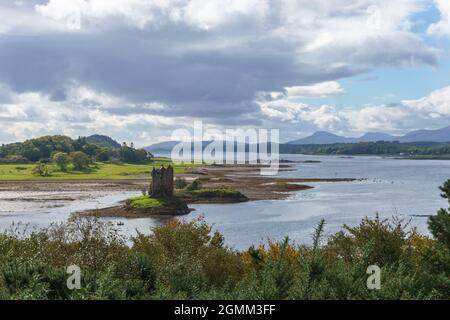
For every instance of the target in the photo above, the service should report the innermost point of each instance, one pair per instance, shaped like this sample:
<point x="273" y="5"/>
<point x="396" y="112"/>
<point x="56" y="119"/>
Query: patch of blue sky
<point x="391" y="85"/>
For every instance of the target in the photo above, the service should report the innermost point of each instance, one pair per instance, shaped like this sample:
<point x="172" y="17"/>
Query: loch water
<point x="403" y="188"/>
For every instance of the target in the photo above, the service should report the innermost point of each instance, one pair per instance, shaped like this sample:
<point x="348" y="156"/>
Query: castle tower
<point x="162" y="182"/>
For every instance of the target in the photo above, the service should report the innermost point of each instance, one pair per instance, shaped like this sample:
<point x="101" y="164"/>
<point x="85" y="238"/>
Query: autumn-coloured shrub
<point x="189" y="260"/>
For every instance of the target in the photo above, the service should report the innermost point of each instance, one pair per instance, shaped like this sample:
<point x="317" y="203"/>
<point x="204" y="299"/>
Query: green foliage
<point x="103" y="155"/>
<point x="131" y="155"/>
<point x="188" y="260"/>
<point x="42" y="170"/>
<point x="80" y="160"/>
<point x="34" y="281"/>
<point x="112" y="170"/>
<point x="151" y="202"/>
<point x="194" y="185"/>
<point x="44" y="148"/>
<point x="218" y="192"/>
<point x="439" y="224"/>
<point x="180" y="183"/>
<point x="62" y="160"/>
<point x="16" y="159"/>
<point x="195" y="192"/>
<point x="445" y="188"/>
<point x="414" y="150"/>
<point x="102" y="141"/>
<point x="373" y="241"/>
<point x="39" y="148"/>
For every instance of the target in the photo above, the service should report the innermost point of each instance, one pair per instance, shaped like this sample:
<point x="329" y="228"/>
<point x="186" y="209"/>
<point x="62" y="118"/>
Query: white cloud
<point x="315" y="24"/>
<point x="324" y="117"/>
<point x="214" y="13"/>
<point x="436" y="105"/>
<point x="203" y="59"/>
<point x="283" y="109"/>
<point x="319" y="90"/>
<point x="432" y="111"/>
<point x="16" y="21"/>
<point x="75" y="13"/>
<point x="138" y="13"/>
<point x="84" y="111"/>
<point x="9" y="111"/>
<point x="443" y="26"/>
<point x="379" y="117"/>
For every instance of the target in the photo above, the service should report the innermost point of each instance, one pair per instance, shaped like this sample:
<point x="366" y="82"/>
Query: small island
<point x="162" y="199"/>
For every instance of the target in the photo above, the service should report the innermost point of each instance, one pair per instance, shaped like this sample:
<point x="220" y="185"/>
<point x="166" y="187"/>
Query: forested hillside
<point x="95" y="147"/>
<point x="416" y="149"/>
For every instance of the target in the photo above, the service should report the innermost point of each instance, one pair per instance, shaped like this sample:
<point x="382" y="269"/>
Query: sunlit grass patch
<point x="150" y="202"/>
<point x="97" y="171"/>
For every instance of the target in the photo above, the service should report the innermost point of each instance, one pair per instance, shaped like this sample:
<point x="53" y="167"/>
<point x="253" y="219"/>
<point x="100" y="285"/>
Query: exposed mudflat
<point x="247" y="180"/>
<point x="74" y="185"/>
<point x="244" y="178"/>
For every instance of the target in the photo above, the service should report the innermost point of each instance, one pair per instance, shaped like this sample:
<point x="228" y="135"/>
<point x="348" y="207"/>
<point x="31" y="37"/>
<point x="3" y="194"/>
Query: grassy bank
<point x="193" y="192"/>
<point x="217" y="194"/>
<point x="225" y="194"/>
<point x="150" y="202"/>
<point x="97" y="171"/>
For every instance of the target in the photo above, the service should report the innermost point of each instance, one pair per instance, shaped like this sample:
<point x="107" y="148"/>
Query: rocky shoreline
<point x="124" y="211"/>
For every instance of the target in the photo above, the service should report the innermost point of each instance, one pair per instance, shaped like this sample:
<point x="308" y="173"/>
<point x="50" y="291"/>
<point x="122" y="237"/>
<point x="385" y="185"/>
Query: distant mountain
<point x="103" y="141"/>
<point x="322" y="137"/>
<point x="165" y="146"/>
<point x="440" y="135"/>
<point x="376" y="136"/>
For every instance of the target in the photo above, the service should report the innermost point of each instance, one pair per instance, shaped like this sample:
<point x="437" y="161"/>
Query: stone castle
<point x="162" y="182"/>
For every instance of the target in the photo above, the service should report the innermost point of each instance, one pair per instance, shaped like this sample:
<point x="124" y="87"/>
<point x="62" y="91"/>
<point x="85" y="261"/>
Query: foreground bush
<point x="188" y="260"/>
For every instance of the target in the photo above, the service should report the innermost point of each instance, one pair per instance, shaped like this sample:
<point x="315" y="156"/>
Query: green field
<point x="98" y="171"/>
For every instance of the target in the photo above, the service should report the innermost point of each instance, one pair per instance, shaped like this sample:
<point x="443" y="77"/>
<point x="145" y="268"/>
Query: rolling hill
<point x="103" y="141"/>
<point x="322" y="137"/>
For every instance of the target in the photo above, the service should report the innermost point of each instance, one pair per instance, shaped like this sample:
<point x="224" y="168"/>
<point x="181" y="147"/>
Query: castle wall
<point x="162" y="182"/>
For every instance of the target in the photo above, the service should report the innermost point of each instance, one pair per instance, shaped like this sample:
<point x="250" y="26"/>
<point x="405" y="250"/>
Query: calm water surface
<point x="404" y="188"/>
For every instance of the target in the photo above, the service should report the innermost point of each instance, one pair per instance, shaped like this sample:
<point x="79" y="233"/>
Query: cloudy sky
<point x="139" y="69"/>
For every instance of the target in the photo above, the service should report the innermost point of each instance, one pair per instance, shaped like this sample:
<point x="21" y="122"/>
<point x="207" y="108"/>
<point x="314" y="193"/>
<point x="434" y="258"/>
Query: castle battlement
<point x="162" y="182"/>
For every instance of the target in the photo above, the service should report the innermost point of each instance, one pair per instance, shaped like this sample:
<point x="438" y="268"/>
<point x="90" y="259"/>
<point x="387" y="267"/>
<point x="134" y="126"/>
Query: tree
<point x="80" y="160"/>
<point x="31" y="153"/>
<point x="445" y="188"/>
<point x="180" y="183"/>
<point x="130" y="155"/>
<point x="90" y="149"/>
<point x="141" y="155"/>
<point x="194" y="185"/>
<point x="103" y="155"/>
<point x="439" y="224"/>
<point x="62" y="160"/>
<point x="42" y="170"/>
